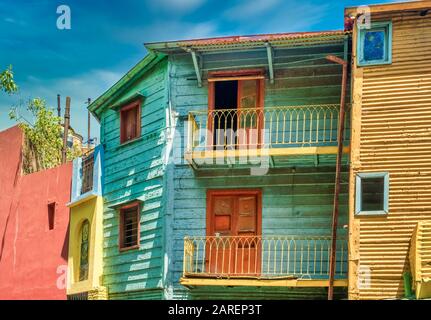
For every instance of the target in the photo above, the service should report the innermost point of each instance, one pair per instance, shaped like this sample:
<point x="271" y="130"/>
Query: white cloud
<point x="295" y="17"/>
<point x="178" y="6"/>
<point x="272" y="16"/>
<point x="246" y="10"/>
<point x="166" y="30"/>
<point x="80" y="87"/>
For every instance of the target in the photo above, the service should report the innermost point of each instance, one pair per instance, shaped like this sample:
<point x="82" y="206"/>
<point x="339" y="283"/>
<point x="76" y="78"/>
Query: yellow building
<point x="85" y="261"/>
<point x="390" y="173"/>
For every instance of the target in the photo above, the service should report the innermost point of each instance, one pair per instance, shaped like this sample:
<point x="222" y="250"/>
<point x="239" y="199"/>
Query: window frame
<point x="52" y="212"/>
<point x="131" y="205"/>
<point x="236" y="75"/>
<point x="358" y="193"/>
<point x="377" y="26"/>
<point x="134" y="104"/>
<point x="81" y="233"/>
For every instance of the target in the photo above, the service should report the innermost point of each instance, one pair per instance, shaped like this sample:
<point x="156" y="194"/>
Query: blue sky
<point x="106" y="39"/>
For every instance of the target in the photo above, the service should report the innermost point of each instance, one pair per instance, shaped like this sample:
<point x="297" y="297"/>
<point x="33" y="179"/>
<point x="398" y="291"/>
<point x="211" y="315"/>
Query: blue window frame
<point x="375" y="44"/>
<point x="372" y="193"/>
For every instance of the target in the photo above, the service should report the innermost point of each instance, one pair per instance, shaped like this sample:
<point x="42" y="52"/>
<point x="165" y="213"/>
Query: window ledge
<point x="135" y="247"/>
<point x="373" y="64"/>
<point x="82" y="198"/>
<point x="127" y="143"/>
<point x="372" y="213"/>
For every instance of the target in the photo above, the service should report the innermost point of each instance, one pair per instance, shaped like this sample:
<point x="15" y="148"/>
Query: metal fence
<point x="262" y="256"/>
<point x="272" y="127"/>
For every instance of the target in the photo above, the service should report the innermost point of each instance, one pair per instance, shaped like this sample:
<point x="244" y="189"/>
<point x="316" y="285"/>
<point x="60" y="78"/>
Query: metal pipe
<point x="66" y="130"/>
<point x="88" y="125"/>
<point x="340" y="138"/>
<point x="270" y="62"/>
<point x="58" y="108"/>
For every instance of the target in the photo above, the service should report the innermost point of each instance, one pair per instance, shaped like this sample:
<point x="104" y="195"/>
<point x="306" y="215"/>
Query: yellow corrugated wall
<point x="391" y="131"/>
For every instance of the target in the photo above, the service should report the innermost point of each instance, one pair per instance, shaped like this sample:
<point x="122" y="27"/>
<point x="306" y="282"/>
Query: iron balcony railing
<point x="262" y="257"/>
<point x="87" y="172"/>
<point x="271" y="127"/>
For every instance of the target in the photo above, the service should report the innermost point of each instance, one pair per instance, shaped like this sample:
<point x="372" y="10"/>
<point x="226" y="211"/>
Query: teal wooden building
<point x="219" y="169"/>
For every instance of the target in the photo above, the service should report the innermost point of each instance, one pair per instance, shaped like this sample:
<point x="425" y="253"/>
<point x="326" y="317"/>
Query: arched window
<point x="83" y="262"/>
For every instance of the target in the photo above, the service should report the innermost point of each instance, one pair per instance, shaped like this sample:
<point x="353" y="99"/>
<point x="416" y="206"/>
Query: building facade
<point x="219" y="166"/>
<point x="390" y="145"/>
<point x="166" y="175"/>
<point x="34" y="222"/>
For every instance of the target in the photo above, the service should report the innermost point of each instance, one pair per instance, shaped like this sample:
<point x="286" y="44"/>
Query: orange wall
<point x="391" y="120"/>
<point x="33" y="259"/>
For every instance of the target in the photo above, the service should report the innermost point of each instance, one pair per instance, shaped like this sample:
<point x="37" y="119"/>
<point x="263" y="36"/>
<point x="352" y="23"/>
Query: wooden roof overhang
<point x="269" y="42"/>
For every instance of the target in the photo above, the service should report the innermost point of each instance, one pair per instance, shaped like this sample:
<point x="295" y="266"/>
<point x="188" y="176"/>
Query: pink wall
<point x="33" y="258"/>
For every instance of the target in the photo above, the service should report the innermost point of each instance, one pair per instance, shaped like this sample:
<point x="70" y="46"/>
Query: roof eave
<point x="109" y="95"/>
<point x="247" y="42"/>
<point x="392" y="7"/>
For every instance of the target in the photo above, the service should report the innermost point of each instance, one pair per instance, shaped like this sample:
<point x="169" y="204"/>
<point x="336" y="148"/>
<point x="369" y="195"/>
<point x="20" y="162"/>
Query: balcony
<point x="292" y="261"/>
<point x="272" y="132"/>
<point x="87" y="176"/>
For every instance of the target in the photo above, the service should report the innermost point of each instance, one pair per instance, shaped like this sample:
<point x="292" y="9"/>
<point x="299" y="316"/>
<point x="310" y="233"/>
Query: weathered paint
<point x="92" y="210"/>
<point x="87" y="207"/>
<point x="153" y="169"/>
<point x="297" y="199"/>
<point x="390" y="133"/>
<point x="134" y="171"/>
<point x="76" y="196"/>
<point x="420" y="260"/>
<point x="33" y="259"/>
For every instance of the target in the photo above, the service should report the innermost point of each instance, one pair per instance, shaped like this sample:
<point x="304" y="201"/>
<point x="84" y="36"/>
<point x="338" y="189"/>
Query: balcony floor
<point x="250" y="282"/>
<point x="205" y="158"/>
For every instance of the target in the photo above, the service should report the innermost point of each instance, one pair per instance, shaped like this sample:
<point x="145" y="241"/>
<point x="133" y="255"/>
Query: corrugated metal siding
<point x="395" y="136"/>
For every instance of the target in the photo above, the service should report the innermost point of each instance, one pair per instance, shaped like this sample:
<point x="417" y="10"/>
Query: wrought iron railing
<point x="87" y="172"/>
<point x="271" y="127"/>
<point x="262" y="256"/>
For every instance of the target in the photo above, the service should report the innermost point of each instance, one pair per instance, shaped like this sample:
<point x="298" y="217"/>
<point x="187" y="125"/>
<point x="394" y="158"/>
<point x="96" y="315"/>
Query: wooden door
<point x="250" y="112"/>
<point x="233" y="227"/>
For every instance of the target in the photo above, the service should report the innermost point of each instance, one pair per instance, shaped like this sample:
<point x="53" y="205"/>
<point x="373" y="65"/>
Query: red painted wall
<point x="33" y="259"/>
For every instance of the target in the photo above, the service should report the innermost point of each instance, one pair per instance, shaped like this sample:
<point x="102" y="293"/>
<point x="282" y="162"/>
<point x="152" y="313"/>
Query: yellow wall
<point x="391" y="132"/>
<point x="91" y="209"/>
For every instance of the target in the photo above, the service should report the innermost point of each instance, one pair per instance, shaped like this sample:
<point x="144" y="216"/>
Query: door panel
<point x="247" y="251"/>
<point x="235" y="218"/>
<point x="250" y="112"/>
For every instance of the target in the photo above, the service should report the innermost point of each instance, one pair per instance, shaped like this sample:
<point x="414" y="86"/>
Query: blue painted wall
<point x="135" y="171"/>
<point x="297" y="199"/>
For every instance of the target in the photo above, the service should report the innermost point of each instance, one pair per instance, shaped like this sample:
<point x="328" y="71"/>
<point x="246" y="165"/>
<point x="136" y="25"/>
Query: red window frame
<point x="245" y="74"/>
<point x="123" y="127"/>
<point x="123" y="209"/>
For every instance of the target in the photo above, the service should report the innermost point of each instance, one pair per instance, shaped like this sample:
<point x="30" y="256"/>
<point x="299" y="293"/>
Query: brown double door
<point x="233" y="247"/>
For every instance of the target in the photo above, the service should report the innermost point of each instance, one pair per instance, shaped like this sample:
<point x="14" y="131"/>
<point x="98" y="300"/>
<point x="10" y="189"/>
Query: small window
<point x="372" y="191"/>
<point x="51" y="215"/>
<point x="87" y="173"/>
<point x="83" y="261"/>
<point x="130" y="122"/>
<point x="129" y="226"/>
<point x="374" y="44"/>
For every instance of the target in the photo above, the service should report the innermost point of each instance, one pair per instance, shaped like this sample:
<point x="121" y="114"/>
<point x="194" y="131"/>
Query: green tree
<point x="7" y="84"/>
<point x="43" y="135"/>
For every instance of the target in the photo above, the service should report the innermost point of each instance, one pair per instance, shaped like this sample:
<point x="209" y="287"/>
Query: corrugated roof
<point x="250" y="40"/>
